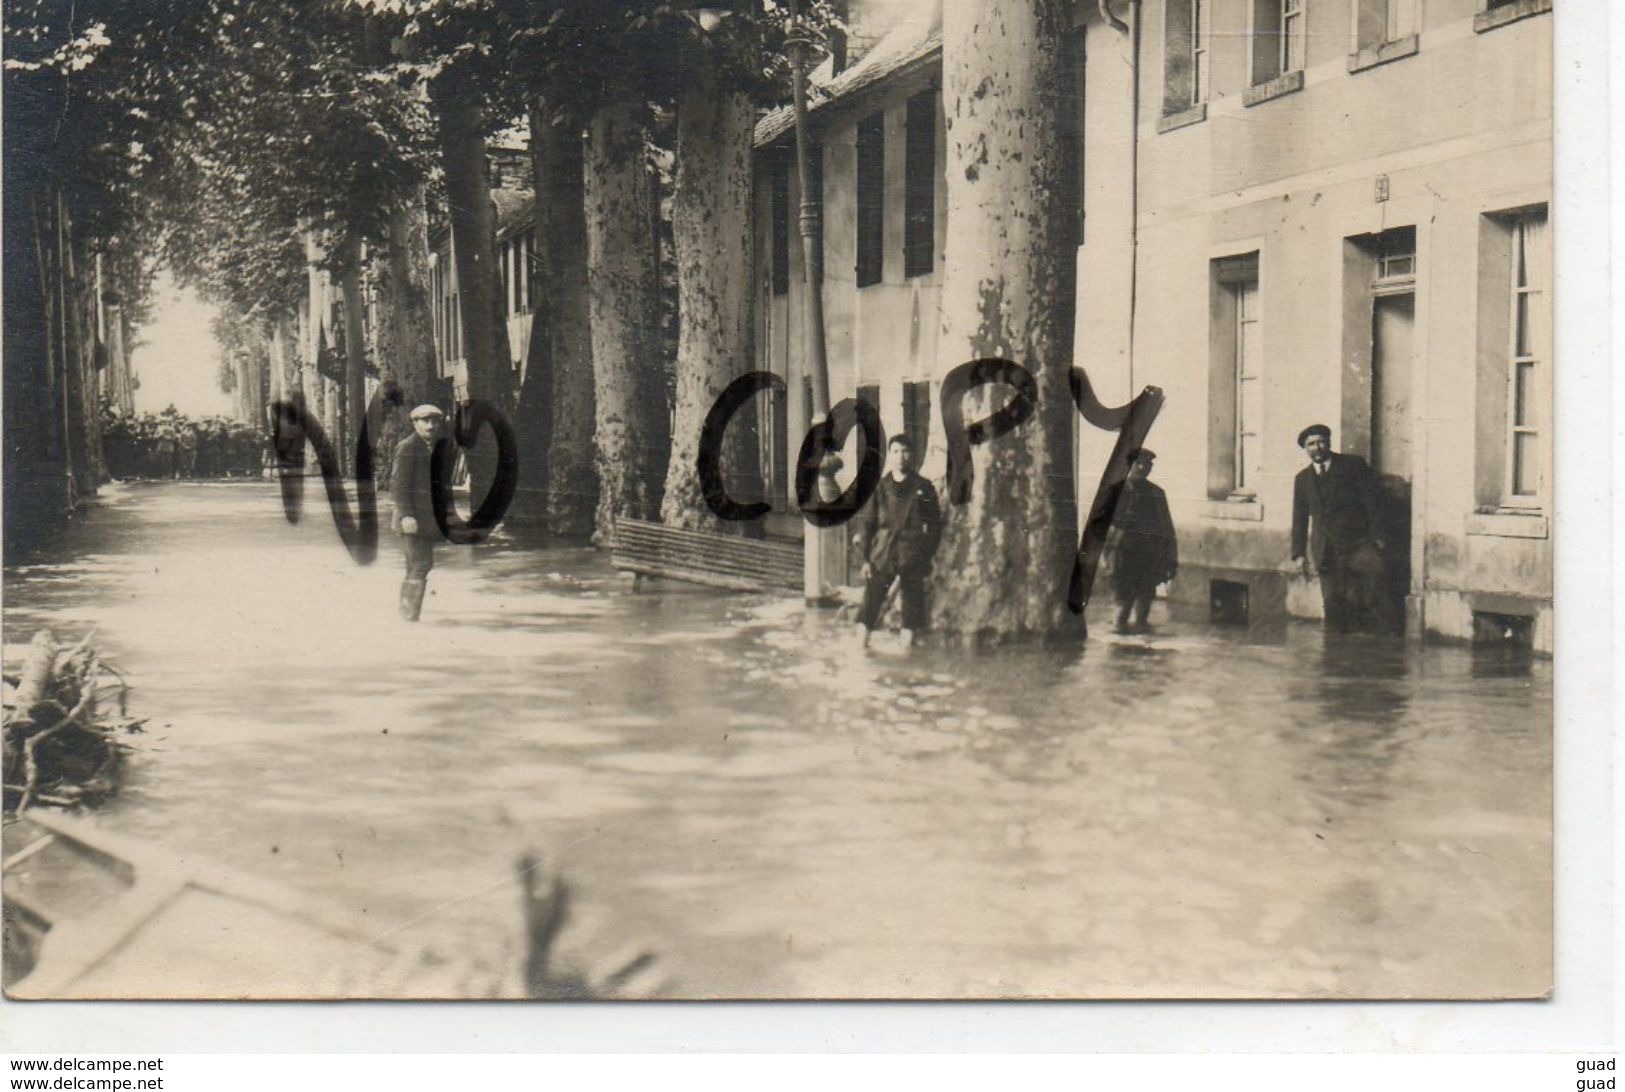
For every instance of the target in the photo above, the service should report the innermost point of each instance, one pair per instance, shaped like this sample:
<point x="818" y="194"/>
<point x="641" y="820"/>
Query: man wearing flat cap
<point x="414" y="506"/>
<point x="1335" y="521"/>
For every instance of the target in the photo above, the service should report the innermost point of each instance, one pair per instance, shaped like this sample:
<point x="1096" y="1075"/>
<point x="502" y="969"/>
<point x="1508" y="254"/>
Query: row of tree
<point x="251" y="145"/>
<point x="247" y="142"/>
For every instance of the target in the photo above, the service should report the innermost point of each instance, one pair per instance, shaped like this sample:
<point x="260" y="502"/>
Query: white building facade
<point x="1290" y="212"/>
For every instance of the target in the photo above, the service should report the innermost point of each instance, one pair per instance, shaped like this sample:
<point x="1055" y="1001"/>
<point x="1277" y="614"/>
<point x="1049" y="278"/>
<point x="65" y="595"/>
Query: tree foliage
<point x="212" y="133"/>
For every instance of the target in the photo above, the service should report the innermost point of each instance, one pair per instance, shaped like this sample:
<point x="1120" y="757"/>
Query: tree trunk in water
<point x="633" y="435"/>
<point x="561" y="317"/>
<point x="85" y="420"/>
<point x="479" y="278"/>
<point x="711" y="229"/>
<point x="405" y="334"/>
<point x="1002" y="571"/>
<point x="32" y="487"/>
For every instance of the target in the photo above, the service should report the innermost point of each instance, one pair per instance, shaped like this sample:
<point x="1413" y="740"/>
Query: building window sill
<point x="1178" y="119"/>
<point x="1387" y="51"/>
<point x="1273" y="89"/>
<point x="1509" y="13"/>
<point x="1509" y="523"/>
<point x="1240" y="508"/>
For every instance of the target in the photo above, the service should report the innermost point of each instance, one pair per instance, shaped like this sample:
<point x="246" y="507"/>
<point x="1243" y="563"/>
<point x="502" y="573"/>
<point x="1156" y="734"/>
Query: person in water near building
<point x="897" y="537"/>
<point x="1145" y="550"/>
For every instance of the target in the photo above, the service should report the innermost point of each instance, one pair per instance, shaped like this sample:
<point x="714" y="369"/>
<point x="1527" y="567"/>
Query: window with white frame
<point x="1529" y="360"/>
<point x="1292" y="36"/>
<point x="1280" y="39"/>
<point x="1249" y="393"/>
<point x="1379" y="22"/>
<point x="1185" y="55"/>
<point x="1235" y="387"/>
<point x="1513" y="434"/>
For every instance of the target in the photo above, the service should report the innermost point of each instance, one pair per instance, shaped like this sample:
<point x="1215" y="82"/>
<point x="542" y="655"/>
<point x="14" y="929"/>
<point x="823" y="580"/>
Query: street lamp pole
<point x="821" y="550"/>
<point x="810" y="223"/>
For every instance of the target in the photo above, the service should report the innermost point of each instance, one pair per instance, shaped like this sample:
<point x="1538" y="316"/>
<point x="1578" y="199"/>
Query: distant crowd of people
<point x="170" y="445"/>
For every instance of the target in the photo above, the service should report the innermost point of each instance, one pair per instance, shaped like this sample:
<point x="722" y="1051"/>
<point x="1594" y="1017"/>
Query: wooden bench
<point x="705" y="557"/>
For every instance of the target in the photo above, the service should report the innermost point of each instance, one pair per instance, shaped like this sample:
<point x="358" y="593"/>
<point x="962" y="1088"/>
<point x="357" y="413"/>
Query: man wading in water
<point x="897" y="538"/>
<point x="414" y="506"/>
<point x="1145" y="551"/>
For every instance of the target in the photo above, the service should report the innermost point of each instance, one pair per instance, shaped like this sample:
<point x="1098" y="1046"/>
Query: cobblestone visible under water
<point x="1215" y="813"/>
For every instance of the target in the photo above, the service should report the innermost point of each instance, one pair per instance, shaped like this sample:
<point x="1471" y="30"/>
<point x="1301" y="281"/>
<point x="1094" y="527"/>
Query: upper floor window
<point x="1279" y="38"/>
<point x="518" y="256"/>
<point x="1185" y="55"/>
<point x="1495" y="13"/>
<point x="920" y="185"/>
<point x="1292" y="36"/>
<point x="1379" y="23"/>
<point x="871" y="185"/>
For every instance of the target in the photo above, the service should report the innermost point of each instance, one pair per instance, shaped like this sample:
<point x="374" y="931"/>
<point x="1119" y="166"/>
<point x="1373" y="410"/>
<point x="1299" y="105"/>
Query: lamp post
<point x="821" y="552"/>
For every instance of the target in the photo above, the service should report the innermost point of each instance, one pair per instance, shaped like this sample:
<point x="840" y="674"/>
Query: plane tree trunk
<point x="632" y="440"/>
<point x="564" y="385"/>
<point x="1007" y="553"/>
<point x="479" y="278"/>
<point x="404" y="338"/>
<point x="711" y="234"/>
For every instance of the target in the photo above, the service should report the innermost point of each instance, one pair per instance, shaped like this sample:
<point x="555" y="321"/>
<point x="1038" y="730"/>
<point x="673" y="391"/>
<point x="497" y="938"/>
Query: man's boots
<point x="412" y="599"/>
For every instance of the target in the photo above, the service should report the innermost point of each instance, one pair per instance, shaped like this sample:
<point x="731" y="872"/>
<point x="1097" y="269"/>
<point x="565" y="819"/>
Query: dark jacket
<point x="409" y="486"/>
<point x="1334" y="513"/>
<point x="899" y="529"/>
<point x="1146" y="549"/>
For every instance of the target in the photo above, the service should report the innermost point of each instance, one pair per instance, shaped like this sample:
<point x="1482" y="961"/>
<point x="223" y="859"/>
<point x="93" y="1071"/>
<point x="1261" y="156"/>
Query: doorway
<point x="1393" y="323"/>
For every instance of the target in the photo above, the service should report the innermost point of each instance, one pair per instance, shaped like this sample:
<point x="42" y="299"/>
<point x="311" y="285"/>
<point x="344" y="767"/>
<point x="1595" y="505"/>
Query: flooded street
<point x="1216" y="813"/>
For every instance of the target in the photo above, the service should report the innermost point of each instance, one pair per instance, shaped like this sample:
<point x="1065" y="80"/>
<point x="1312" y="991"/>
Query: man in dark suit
<point x="1145" y="551"/>
<point x="897" y="537"/>
<point x="1335" y="534"/>
<point x="414" y="506"/>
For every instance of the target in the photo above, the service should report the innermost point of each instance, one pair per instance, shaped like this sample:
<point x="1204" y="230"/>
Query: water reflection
<point x="1209" y="812"/>
<point x="1502" y="660"/>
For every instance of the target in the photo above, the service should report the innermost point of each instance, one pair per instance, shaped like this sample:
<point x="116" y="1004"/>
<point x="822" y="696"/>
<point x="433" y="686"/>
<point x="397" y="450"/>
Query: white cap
<point x="427" y="410"/>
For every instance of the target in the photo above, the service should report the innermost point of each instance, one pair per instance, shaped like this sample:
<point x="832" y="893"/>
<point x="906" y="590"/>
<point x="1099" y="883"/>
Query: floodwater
<point x="1216" y="813"/>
